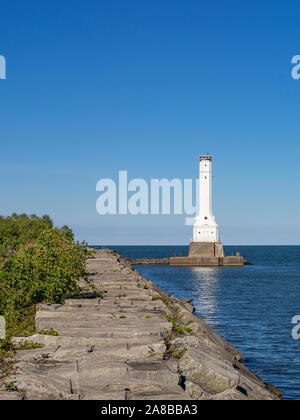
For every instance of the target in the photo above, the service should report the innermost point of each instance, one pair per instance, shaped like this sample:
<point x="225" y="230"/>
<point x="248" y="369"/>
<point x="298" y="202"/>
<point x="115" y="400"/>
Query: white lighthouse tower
<point x="206" y="249"/>
<point x="206" y="240"/>
<point x="205" y="227"/>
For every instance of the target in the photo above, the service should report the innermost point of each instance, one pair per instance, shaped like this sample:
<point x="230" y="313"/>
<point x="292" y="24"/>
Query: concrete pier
<point x="207" y="254"/>
<point x="201" y="254"/>
<point x="135" y="342"/>
<point x="233" y="261"/>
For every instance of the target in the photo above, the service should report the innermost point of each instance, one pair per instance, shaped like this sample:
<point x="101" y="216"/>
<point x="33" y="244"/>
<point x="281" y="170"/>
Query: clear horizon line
<point x="104" y="245"/>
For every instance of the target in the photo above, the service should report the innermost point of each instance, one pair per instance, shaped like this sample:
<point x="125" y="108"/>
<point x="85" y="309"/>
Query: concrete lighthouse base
<point x="207" y="254"/>
<point x="206" y="249"/>
<point x="201" y="254"/>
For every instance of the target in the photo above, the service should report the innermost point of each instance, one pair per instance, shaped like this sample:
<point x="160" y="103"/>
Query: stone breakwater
<point x="135" y="342"/>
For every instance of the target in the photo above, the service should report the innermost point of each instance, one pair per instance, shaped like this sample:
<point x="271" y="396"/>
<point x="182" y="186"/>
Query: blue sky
<point x="96" y="87"/>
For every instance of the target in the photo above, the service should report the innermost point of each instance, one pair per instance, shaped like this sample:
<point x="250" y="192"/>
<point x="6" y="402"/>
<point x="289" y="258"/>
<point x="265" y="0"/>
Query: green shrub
<point x="38" y="263"/>
<point x="18" y="230"/>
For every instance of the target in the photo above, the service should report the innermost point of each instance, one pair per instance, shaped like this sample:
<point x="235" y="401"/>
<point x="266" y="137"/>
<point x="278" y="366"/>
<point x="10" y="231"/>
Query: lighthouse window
<point x="205" y="218"/>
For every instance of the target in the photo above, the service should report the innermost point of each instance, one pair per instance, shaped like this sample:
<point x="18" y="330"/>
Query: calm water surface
<point x="250" y="306"/>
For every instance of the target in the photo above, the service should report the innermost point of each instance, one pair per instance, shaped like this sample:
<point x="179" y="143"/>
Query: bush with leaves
<point x="45" y="270"/>
<point x="20" y="229"/>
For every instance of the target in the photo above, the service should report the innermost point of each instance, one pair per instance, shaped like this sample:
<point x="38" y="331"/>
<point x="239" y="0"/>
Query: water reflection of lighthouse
<point x="205" y="288"/>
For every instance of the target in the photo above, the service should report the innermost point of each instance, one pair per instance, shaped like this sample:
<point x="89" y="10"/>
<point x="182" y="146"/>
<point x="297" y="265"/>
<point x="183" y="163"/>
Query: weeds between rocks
<point x="48" y="332"/>
<point x="175" y="354"/>
<point x="9" y="387"/>
<point x="172" y="353"/>
<point x="7" y="357"/>
<point x="165" y="300"/>
<point x="176" y="326"/>
<point x="177" y="330"/>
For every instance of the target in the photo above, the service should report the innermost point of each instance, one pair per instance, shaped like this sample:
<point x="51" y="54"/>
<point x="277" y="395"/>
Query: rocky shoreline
<point x="134" y="342"/>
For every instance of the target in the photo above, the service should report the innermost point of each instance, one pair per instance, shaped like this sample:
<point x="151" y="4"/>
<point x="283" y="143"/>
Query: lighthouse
<point x="206" y="241"/>
<point x="206" y="248"/>
<point x="205" y="228"/>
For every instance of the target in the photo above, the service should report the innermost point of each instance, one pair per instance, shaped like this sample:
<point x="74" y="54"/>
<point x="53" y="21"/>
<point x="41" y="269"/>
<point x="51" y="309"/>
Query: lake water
<point x="251" y="306"/>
